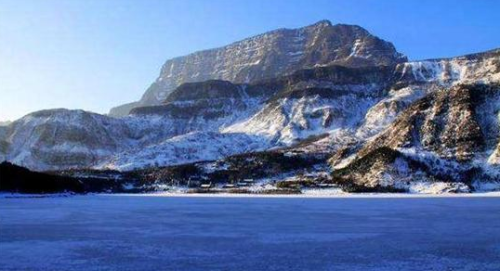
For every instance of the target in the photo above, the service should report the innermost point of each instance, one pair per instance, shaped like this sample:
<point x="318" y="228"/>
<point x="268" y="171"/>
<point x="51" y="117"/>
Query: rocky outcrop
<point x="448" y="123"/>
<point x="447" y="137"/>
<point x="388" y="170"/>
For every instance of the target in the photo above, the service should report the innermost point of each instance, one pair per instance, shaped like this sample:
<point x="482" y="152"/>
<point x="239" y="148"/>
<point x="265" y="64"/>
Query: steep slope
<point x="479" y="67"/>
<point x="453" y="133"/>
<point x="62" y="138"/>
<point x="270" y="55"/>
<point x="414" y="80"/>
<point x="316" y="101"/>
<point x="453" y="123"/>
<point x="187" y="148"/>
<point x="388" y="170"/>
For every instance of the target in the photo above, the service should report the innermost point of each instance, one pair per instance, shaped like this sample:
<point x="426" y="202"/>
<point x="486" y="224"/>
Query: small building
<point x="206" y="185"/>
<point x="229" y="185"/>
<point x="249" y="181"/>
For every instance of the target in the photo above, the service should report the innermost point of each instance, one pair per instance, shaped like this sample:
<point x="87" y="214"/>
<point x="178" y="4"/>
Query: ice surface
<point x="217" y="233"/>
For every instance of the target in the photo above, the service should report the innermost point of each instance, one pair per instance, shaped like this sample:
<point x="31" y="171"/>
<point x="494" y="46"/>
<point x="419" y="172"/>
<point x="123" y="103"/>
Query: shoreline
<point x="326" y="196"/>
<point x="495" y="194"/>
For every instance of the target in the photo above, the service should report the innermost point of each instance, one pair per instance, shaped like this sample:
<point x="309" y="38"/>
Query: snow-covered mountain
<point x="270" y="55"/>
<point x="348" y="98"/>
<point x="61" y="138"/>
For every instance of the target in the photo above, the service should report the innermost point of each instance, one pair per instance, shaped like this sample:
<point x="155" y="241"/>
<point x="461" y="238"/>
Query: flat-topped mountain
<point x="270" y="55"/>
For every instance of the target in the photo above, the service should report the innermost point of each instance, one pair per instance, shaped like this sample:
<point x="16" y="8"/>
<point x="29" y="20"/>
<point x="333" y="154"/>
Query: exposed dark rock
<point x="445" y="122"/>
<point x="17" y="179"/>
<point x="388" y="170"/>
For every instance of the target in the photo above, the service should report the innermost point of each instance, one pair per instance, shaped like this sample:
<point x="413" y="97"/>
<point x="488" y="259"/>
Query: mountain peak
<point x="322" y="23"/>
<point x="272" y="54"/>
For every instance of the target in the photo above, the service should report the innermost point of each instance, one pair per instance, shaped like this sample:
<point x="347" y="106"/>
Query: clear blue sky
<point x="95" y="54"/>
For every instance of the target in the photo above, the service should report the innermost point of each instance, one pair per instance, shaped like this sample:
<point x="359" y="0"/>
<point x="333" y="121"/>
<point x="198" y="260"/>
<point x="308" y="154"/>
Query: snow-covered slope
<point x="313" y="111"/>
<point x="473" y="68"/>
<point x="187" y="148"/>
<point x="60" y="138"/>
<point x="414" y="80"/>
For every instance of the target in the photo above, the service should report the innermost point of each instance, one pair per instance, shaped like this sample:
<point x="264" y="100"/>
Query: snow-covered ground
<point x="123" y="232"/>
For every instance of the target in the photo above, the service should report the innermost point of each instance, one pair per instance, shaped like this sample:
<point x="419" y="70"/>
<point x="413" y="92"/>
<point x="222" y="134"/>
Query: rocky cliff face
<point x="270" y="55"/>
<point x="444" y="122"/>
<point x="448" y="136"/>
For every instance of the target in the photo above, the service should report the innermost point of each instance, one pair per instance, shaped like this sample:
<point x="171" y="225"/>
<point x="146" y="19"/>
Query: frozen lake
<point x="208" y="233"/>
